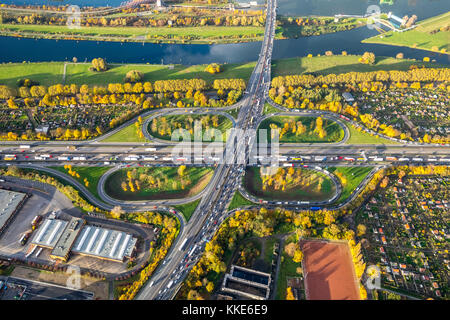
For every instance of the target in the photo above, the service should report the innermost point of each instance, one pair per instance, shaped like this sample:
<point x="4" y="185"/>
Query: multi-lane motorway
<point x="215" y="198"/>
<point x="210" y="211"/>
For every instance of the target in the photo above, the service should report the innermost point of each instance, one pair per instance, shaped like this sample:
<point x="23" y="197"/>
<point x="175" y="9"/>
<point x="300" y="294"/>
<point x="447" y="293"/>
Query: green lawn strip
<point x="223" y="125"/>
<point x="268" y="253"/>
<point x="233" y="112"/>
<point x="253" y="184"/>
<point x="80" y="74"/>
<point x="295" y="31"/>
<point x="188" y="209"/>
<point x="269" y="109"/>
<point x="354" y="176"/>
<point x="92" y="174"/>
<point x="50" y="73"/>
<point x="420" y="36"/>
<point x="239" y="201"/>
<point x="46" y="74"/>
<point x="205" y="33"/>
<point x="362" y="137"/>
<point x="127" y="134"/>
<point x="288" y="268"/>
<point x="342" y="64"/>
<point x="166" y="191"/>
<point x="334" y="131"/>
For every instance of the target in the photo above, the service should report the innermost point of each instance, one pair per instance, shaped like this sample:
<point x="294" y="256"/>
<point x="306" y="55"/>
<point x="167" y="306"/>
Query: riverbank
<point x="289" y="28"/>
<point x="432" y="34"/>
<point x="305" y="26"/>
<point x="174" y="35"/>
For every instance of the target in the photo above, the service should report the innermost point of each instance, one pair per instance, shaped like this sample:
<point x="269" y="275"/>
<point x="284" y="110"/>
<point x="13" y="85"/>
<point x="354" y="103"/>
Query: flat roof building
<point x="244" y="283"/>
<point x="49" y="233"/>
<point x="74" y="236"/>
<point x="65" y="242"/>
<point x="10" y="203"/>
<point x="104" y="243"/>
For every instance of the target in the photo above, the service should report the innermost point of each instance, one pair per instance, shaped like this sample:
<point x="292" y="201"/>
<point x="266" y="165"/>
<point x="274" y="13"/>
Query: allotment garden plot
<point x="288" y="184"/>
<point x="419" y="113"/>
<point x="147" y="183"/>
<point x="407" y="235"/>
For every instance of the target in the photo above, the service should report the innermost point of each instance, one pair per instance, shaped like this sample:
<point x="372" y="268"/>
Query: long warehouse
<point x="65" y="237"/>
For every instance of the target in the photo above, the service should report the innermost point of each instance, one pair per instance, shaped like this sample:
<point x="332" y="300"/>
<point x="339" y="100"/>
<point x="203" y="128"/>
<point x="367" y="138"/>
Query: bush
<point x="134" y="76"/>
<point x="213" y="68"/>
<point x="26" y="83"/>
<point x="99" y="65"/>
<point x="367" y="58"/>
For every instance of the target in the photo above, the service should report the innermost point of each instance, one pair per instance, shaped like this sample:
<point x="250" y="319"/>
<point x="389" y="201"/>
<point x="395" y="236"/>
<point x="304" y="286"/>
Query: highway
<point x="210" y="211"/>
<point x="230" y="160"/>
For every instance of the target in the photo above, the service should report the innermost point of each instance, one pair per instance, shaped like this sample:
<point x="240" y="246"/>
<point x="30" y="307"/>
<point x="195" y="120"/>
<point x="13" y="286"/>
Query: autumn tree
<point x="134" y="76"/>
<point x="117" y="212"/>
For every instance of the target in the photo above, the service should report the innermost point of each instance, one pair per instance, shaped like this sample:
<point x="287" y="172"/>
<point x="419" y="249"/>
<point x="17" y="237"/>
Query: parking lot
<point x="20" y="289"/>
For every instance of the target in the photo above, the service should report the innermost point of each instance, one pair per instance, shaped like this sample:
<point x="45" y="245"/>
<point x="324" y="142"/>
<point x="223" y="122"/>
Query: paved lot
<point x="100" y="288"/>
<point x="43" y="202"/>
<point x="41" y="291"/>
<point x="21" y="223"/>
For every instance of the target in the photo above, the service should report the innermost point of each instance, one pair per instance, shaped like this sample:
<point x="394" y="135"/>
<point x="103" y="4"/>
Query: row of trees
<point x="169" y="230"/>
<point x="164" y="126"/>
<point x="413" y="75"/>
<point x="290" y="178"/>
<point x="69" y="191"/>
<point x="146" y="179"/>
<point x="163" y="86"/>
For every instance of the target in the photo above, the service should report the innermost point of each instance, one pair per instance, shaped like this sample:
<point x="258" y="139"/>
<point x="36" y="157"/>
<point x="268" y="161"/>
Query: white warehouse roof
<point x="104" y="243"/>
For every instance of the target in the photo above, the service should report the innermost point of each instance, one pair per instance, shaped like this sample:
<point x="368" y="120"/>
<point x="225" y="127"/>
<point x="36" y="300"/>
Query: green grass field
<point x="269" y="109"/>
<point x="223" y="125"/>
<point x="127" y="134"/>
<point x="354" y="176"/>
<point x="306" y="192"/>
<point x="334" y="132"/>
<point x="420" y="36"/>
<point x="204" y="34"/>
<point x="341" y="64"/>
<point x="288" y="268"/>
<point x="188" y="209"/>
<point x="170" y="183"/>
<point x="92" y="174"/>
<point x="239" y="201"/>
<point x="49" y="73"/>
<point x="361" y="137"/>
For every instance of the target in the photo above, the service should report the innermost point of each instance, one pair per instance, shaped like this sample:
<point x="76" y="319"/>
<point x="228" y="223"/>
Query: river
<point x="22" y="49"/>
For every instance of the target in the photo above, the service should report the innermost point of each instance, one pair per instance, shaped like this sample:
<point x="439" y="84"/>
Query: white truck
<point x="320" y="158"/>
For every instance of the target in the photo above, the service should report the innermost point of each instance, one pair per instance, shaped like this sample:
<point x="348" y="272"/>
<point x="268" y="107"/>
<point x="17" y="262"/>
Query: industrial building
<point x="74" y="236"/>
<point x="10" y="204"/>
<point x="244" y="283"/>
